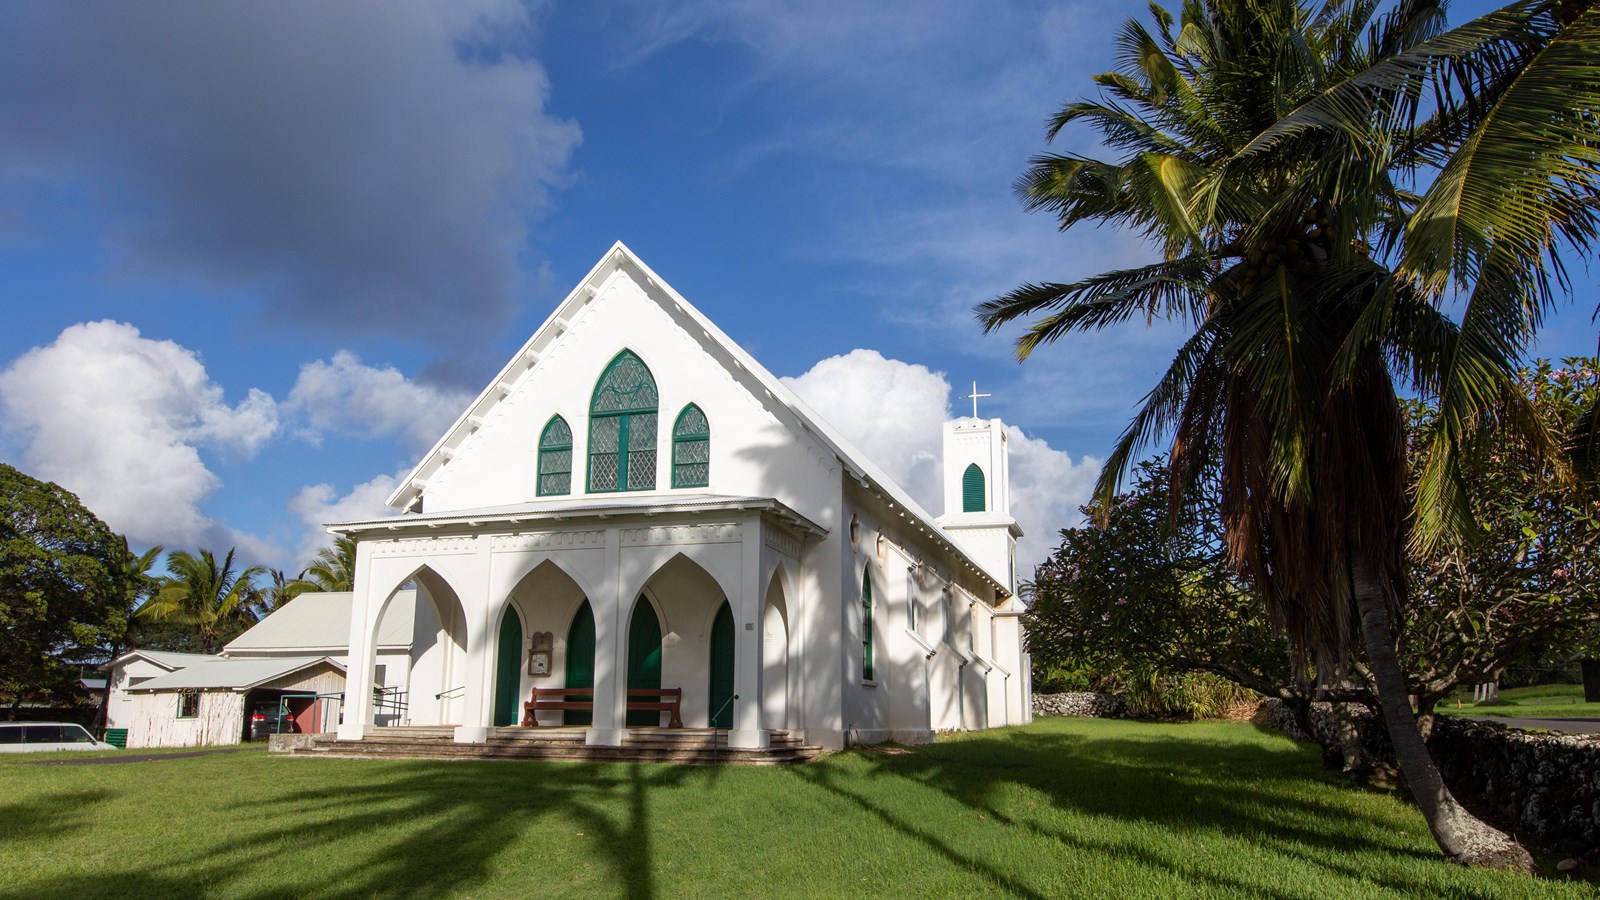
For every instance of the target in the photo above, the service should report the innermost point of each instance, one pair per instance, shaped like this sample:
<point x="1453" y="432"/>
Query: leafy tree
<point x="60" y="586"/>
<point x="206" y="596"/>
<point x="1528" y="576"/>
<point x="334" y="568"/>
<point x="1146" y="591"/>
<point x="1273" y="252"/>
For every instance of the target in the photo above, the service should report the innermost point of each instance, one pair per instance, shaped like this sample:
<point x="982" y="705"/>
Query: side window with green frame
<point x="622" y="427"/>
<point x="555" y="458"/>
<point x="973" y="495"/>
<point x="188" y="704"/>
<point x="866" y="625"/>
<point x="691" y="449"/>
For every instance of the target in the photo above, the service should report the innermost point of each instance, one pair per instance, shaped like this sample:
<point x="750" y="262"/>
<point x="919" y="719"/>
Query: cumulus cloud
<point x="346" y="396"/>
<point x="320" y="504"/>
<point x="894" y="412"/>
<point x="120" y="419"/>
<point x="366" y="165"/>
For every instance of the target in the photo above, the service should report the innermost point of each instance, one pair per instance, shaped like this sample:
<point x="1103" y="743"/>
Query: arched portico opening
<point x="557" y="642"/>
<point x="686" y="598"/>
<point x="420" y="659"/>
<point x="775" y="655"/>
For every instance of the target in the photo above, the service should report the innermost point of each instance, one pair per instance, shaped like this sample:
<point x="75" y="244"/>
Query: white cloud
<point x="120" y="419"/>
<point x="894" y="412"/>
<point x="346" y="396"/>
<point x="319" y="504"/>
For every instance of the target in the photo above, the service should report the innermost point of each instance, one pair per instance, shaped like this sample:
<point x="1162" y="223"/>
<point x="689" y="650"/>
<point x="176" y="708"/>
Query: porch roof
<point x="588" y="507"/>
<point x="231" y="674"/>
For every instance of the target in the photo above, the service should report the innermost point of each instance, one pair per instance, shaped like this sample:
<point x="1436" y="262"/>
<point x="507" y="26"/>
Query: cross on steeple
<point x="974" y="398"/>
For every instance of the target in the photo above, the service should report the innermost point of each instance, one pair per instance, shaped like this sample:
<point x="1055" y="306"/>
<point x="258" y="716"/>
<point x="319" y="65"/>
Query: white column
<point x="610" y="649"/>
<point x="748" y="729"/>
<point x="477" y="676"/>
<point x="357" y="706"/>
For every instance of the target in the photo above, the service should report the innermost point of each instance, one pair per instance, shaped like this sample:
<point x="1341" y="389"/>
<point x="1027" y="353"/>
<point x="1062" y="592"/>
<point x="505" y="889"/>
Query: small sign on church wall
<point x="540" y="645"/>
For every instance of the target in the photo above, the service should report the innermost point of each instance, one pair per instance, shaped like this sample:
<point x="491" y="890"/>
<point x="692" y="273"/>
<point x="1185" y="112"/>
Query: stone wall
<point x="1542" y="787"/>
<point x="1103" y="706"/>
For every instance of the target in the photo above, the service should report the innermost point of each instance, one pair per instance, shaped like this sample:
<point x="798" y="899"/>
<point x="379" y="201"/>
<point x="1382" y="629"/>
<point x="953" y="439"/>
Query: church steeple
<point x="977" y="492"/>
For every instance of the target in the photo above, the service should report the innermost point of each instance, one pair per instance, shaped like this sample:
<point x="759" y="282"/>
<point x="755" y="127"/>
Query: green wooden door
<point x="644" y="657"/>
<point x="508" y="669"/>
<point x="721" y="710"/>
<point x="580" y="661"/>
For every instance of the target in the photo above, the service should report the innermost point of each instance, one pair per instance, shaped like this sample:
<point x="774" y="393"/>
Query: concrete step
<point x="699" y="747"/>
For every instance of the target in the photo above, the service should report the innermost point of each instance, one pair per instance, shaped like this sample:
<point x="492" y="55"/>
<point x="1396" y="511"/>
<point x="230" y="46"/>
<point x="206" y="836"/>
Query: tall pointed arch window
<point x="973" y="494"/>
<point x="691" y="449"/>
<point x="622" y="427"/>
<point x="866" y="625"/>
<point x="555" y="458"/>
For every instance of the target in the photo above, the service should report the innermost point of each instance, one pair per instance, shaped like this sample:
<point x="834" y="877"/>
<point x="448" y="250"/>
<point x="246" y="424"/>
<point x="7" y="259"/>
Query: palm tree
<point x="280" y="590"/>
<point x="334" y="568"/>
<point x="1511" y="138"/>
<point x="206" y="594"/>
<point x="1274" y="253"/>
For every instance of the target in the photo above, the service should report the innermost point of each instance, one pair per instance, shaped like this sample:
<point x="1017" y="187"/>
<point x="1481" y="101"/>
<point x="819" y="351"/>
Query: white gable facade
<point x="635" y="503"/>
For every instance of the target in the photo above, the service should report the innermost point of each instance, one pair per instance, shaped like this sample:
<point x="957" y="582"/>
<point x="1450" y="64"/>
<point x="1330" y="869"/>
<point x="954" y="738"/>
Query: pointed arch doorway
<point x="580" y="661"/>
<point x="644" y="658"/>
<point x="508" y="669"/>
<point x="721" y="696"/>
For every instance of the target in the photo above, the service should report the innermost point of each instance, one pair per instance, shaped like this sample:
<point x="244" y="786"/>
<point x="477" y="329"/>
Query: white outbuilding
<point x="634" y="506"/>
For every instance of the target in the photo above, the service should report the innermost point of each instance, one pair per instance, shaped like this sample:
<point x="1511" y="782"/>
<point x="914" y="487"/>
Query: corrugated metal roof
<point x="231" y="674"/>
<point x="322" y="622"/>
<point x="588" y="507"/>
<point x="166" y="659"/>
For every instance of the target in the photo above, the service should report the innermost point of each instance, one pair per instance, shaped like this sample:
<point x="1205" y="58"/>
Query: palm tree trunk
<point x="1463" y="837"/>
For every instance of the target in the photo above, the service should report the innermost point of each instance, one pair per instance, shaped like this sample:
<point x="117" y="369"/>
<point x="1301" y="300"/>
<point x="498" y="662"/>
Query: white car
<point x="35" y="737"/>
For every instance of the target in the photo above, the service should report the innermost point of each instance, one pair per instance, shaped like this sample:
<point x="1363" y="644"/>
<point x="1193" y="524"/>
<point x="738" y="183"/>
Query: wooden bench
<point x="659" y="700"/>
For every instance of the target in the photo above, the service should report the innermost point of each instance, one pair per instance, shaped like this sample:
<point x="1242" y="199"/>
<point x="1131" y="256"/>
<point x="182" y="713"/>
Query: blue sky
<point x="254" y="256"/>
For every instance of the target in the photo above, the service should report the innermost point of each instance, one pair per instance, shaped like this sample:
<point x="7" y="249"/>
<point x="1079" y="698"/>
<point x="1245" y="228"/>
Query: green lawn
<point x="1544" y="701"/>
<point x="1062" y="808"/>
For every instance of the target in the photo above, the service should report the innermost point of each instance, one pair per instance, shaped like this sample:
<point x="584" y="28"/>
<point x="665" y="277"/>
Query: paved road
<point x="1571" y="726"/>
<point x="135" y="757"/>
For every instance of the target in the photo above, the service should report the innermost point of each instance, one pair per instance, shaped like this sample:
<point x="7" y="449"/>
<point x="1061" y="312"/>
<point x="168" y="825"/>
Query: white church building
<point x="635" y="504"/>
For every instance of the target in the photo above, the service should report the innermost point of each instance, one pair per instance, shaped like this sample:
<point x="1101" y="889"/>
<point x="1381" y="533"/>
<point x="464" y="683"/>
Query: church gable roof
<point x="764" y="387"/>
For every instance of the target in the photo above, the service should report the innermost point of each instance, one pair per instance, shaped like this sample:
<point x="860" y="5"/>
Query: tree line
<point x="74" y="595"/>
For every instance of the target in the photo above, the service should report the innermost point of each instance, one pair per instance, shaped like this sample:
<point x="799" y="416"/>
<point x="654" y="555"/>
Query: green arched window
<point x="555" y="458"/>
<point x="866" y="625"/>
<point x="972" y="492"/>
<point x="622" y="427"/>
<point x="691" y="449"/>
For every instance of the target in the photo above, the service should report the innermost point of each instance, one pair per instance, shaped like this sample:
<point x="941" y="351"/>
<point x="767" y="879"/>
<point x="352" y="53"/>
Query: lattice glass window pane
<point x="692" y="423"/>
<point x="556" y="434"/>
<point x="555" y="471"/>
<point x="604" y="437"/>
<point x="691" y="463"/>
<point x="641" y="452"/>
<point x="626" y="386"/>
